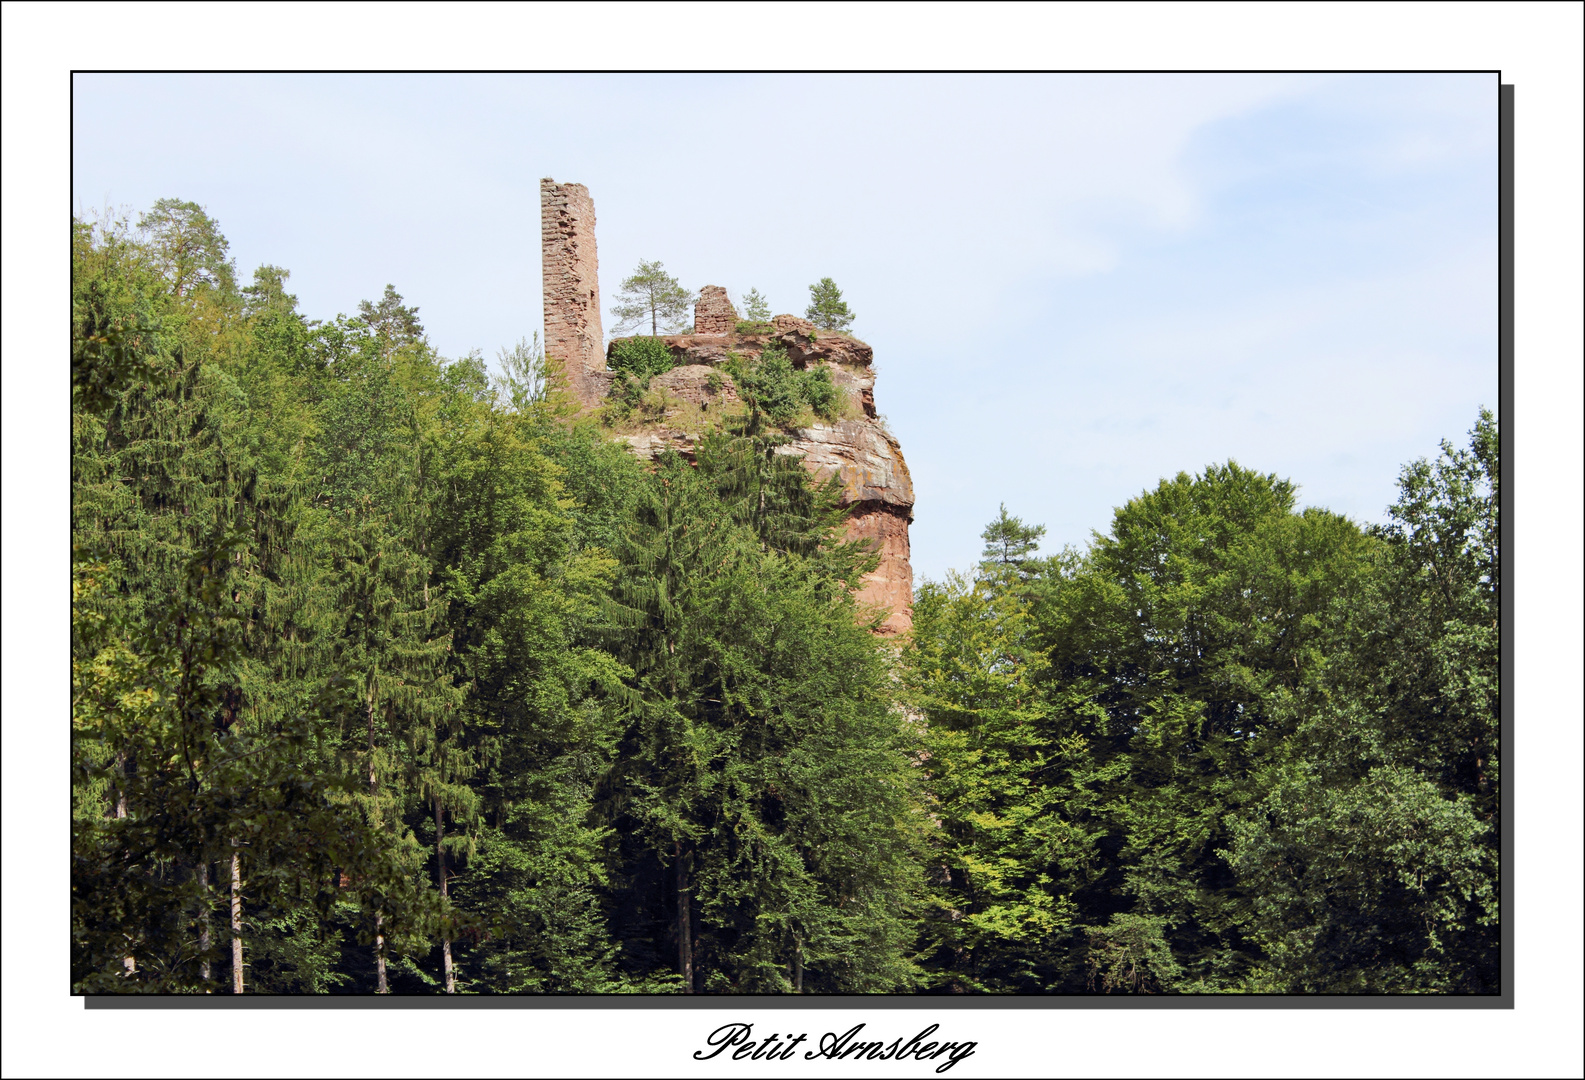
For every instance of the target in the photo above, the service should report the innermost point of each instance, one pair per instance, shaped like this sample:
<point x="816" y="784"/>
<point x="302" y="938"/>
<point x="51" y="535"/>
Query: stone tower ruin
<point x="573" y="333"/>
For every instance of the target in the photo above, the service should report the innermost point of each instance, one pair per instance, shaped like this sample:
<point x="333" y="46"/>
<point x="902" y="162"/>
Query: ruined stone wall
<point x="573" y="333"/>
<point x="713" y="313"/>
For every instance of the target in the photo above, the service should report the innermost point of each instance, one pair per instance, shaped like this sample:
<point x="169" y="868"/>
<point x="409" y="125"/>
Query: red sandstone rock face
<point x="876" y="486"/>
<point x="891" y="586"/>
<point x="692" y="382"/>
<point x="880" y="493"/>
<point x="864" y="454"/>
<point x="803" y="343"/>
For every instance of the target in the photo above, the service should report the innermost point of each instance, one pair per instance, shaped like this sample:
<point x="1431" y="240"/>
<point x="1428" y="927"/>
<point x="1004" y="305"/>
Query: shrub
<point x="642" y="357"/>
<point x="626" y="393"/>
<point x="823" y="396"/>
<point x="773" y="386"/>
<point x="778" y="387"/>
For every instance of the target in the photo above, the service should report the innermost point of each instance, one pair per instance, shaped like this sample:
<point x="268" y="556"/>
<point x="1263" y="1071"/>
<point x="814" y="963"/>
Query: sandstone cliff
<point x="876" y="488"/>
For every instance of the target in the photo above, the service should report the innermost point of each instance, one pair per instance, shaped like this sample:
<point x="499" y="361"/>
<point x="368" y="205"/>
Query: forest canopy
<point x="390" y="674"/>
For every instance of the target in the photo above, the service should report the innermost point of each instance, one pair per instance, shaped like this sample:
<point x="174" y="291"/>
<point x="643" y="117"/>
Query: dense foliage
<point x="641" y="357"/>
<point x="1232" y="746"/>
<point x="391" y="674"/>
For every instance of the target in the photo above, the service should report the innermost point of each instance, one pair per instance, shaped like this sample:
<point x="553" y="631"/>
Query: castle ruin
<point x="877" y="491"/>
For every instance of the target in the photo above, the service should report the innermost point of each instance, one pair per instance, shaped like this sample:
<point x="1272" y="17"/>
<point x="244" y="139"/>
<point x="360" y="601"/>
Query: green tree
<point x="391" y="652"/>
<point x="1008" y="541"/>
<point x="188" y="757"/>
<point x="528" y="858"/>
<point x="1003" y="854"/>
<point x="186" y="247"/>
<point x="1373" y="858"/>
<point x="756" y="309"/>
<point x="761" y="792"/>
<point x="394" y="323"/>
<point x="1180" y="645"/>
<point x="827" y="309"/>
<point x="649" y="293"/>
<point x="268" y="292"/>
<point x="777" y="393"/>
<point x="524" y="379"/>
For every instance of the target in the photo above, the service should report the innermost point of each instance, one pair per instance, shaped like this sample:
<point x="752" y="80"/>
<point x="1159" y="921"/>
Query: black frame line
<point x="1505" y="416"/>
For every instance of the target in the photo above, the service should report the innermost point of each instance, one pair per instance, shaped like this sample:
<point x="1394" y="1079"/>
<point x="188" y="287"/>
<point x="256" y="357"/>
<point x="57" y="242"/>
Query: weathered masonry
<point x="572" y="285"/>
<point x="876" y="488"/>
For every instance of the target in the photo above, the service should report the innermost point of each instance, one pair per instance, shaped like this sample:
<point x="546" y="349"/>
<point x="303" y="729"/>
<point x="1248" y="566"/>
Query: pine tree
<point x="649" y="294"/>
<point x="827" y="309"/>
<point x="756" y="309"/>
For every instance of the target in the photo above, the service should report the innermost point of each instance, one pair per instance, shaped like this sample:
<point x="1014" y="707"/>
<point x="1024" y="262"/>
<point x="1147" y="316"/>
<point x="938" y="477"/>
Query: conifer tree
<point x="179" y="543"/>
<point x="649" y="294"/>
<point x="756" y="309"/>
<point x="762" y="790"/>
<point x="827" y="309"/>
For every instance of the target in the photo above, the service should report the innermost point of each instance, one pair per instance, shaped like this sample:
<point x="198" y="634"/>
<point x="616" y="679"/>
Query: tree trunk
<point x="440" y="864"/>
<point x="236" y="917"/>
<point x="379" y="955"/>
<point x="205" y="937"/>
<point x="129" y="963"/>
<point x="379" y="916"/>
<point x="798" y="965"/>
<point x="121" y="787"/>
<point x="684" y="925"/>
<point x="373" y="786"/>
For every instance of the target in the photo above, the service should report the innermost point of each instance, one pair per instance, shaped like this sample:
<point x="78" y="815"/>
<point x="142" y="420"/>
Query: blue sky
<point x="1074" y="285"/>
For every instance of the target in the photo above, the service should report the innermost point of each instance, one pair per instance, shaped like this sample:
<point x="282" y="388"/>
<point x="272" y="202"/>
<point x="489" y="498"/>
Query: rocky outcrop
<point x="891" y="586"/>
<point x="864" y="454"/>
<point x="697" y="384"/>
<point x="851" y="361"/>
<point x="876" y="488"/>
